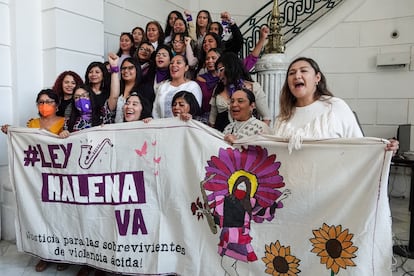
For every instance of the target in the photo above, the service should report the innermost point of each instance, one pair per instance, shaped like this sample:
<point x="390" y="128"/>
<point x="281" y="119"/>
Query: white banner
<point x="126" y="198"/>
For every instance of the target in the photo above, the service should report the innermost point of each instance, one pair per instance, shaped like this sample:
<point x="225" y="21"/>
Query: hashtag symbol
<point x="31" y="156"/>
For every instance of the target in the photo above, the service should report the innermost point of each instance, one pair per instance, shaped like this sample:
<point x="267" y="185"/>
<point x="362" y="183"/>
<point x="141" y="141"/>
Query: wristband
<point x="189" y="18"/>
<point x="114" y="69"/>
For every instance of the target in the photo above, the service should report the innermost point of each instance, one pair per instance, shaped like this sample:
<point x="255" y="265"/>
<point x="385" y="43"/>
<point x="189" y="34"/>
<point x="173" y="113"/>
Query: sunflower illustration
<point x="279" y="261"/>
<point x="334" y="246"/>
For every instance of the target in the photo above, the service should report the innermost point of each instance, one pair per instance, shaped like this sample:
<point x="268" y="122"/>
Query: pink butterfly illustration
<point x="156" y="173"/>
<point x="157" y="160"/>
<point x="154" y="143"/>
<point x="143" y="150"/>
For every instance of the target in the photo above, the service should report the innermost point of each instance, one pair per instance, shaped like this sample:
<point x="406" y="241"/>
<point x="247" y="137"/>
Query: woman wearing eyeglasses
<point x="47" y="102"/>
<point x="143" y="55"/>
<point x="182" y="46"/>
<point x="131" y="80"/>
<point x="85" y="112"/>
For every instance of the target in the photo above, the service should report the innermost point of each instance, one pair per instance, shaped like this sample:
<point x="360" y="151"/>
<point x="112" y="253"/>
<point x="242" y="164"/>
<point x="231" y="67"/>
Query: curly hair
<point x="58" y="86"/>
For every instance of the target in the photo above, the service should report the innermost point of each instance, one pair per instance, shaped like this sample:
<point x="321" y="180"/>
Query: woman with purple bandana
<point x="85" y="112"/>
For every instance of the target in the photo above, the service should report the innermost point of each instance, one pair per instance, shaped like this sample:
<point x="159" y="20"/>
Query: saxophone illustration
<point x="87" y="156"/>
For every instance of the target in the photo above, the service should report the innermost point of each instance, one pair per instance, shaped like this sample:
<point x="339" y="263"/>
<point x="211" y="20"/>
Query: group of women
<point x="158" y="80"/>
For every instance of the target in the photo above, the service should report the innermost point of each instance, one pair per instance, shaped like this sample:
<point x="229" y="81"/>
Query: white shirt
<point x="329" y="117"/>
<point x="165" y="93"/>
<point x="119" y="115"/>
<point x="247" y="128"/>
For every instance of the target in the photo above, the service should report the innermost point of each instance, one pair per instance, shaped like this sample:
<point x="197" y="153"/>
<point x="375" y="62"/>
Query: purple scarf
<point x="162" y="74"/>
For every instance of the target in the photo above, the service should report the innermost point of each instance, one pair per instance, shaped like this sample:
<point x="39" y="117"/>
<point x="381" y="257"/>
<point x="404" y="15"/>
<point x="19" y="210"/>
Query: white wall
<point x="5" y="73"/>
<point x="21" y="48"/>
<point x="72" y="36"/>
<point x="382" y="98"/>
<point x="41" y="38"/>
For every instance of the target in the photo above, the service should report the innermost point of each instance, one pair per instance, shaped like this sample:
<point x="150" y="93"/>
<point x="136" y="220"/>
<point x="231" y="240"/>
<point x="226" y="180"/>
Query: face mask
<point x="83" y="105"/>
<point x="46" y="110"/>
<point x="239" y="194"/>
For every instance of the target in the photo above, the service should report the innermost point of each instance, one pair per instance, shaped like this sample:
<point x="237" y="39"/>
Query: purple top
<point x="162" y="74"/>
<point x="250" y="61"/>
<point x="207" y="88"/>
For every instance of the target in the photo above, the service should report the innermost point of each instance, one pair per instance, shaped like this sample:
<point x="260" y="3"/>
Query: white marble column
<point x="271" y="73"/>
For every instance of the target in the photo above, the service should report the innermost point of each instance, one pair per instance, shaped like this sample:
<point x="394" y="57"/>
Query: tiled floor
<point x="400" y="226"/>
<point x="13" y="263"/>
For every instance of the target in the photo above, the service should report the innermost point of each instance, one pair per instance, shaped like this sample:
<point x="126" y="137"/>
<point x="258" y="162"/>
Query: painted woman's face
<point x="241" y="188"/>
<point x="180" y="106"/>
<point x="132" y="109"/>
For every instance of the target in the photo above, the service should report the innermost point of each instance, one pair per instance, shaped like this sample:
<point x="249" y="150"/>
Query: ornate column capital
<point x="274" y="61"/>
<point x="276" y="43"/>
